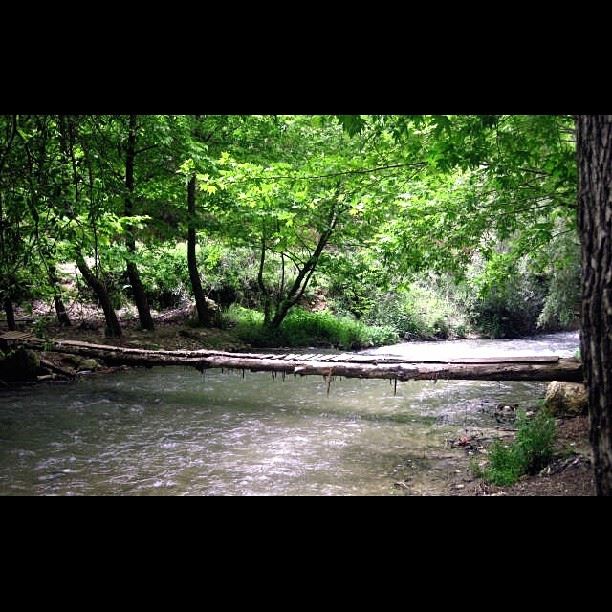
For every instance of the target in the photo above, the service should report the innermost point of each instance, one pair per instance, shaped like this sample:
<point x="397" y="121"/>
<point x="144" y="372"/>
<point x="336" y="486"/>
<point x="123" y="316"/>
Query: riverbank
<point x="172" y="332"/>
<point x="569" y="473"/>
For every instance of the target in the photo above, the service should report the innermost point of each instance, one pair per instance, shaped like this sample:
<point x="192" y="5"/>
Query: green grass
<point x="302" y="328"/>
<point x="530" y="451"/>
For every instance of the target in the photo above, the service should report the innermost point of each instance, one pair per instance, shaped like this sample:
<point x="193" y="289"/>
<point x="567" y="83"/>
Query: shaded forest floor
<point x="173" y="331"/>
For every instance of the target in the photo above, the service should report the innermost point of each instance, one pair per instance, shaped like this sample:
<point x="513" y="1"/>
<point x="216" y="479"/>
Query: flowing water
<point x="172" y="431"/>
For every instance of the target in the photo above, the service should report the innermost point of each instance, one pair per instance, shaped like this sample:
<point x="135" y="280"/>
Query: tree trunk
<point x="113" y="328"/>
<point x="265" y="294"/>
<point x="347" y="365"/>
<point x="594" y="140"/>
<point x="60" y="310"/>
<point x="140" y="297"/>
<point x="305" y="274"/>
<point x="10" y="315"/>
<point x="205" y="315"/>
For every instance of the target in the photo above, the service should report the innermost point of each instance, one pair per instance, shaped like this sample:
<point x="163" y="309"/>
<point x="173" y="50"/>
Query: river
<point x="173" y="431"/>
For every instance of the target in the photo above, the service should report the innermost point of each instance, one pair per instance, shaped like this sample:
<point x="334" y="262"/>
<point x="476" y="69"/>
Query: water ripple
<point x="171" y="432"/>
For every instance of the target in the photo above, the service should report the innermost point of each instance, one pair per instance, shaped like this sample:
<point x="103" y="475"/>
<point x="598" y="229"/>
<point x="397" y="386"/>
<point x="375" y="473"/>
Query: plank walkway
<point x="15" y="335"/>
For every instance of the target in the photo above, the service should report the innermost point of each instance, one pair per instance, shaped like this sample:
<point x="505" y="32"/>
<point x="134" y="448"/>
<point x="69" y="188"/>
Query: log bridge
<point x="348" y="365"/>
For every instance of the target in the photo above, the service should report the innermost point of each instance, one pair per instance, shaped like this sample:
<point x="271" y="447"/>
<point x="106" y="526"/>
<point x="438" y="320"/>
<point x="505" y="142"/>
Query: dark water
<point x="171" y="431"/>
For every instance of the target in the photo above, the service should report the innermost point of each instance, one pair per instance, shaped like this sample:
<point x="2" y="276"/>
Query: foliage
<point x="374" y="211"/>
<point x="40" y="327"/>
<point x="508" y="307"/>
<point x="530" y="451"/>
<point x="424" y="306"/>
<point x="562" y="303"/>
<point x="303" y="329"/>
<point x="164" y="275"/>
<point x="421" y="310"/>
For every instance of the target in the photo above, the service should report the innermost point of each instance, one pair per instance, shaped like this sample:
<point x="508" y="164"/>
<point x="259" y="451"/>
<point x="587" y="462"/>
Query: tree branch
<point x="333" y="174"/>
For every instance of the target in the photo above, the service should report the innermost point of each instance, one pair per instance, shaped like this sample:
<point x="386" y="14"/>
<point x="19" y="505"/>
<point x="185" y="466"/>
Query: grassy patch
<point x="302" y="329"/>
<point x="530" y="451"/>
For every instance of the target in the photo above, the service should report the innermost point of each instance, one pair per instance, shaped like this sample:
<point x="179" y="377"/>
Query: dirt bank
<point x="569" y="474"/>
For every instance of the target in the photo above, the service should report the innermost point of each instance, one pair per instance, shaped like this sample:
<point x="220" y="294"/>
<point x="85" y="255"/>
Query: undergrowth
<point x="530" y="451"/>
<point x="302" y="328"/>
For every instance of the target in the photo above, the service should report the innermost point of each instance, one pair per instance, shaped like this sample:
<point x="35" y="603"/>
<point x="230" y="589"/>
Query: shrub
<point x="303" y="328"/>
<point x="422" y="310"/>
<point x="530" y="451"/>
<point x="508" y="297"/>
<point x="165" y="276"/>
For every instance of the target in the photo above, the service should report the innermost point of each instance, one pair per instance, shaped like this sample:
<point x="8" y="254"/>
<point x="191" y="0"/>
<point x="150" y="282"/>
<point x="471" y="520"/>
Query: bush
<point x="508" y="297"/>
<point x="422" y="310"/>
<point x="562" y="304"/>
<point x="302" y="328"/>
<point x="165" y="276"/>
<point x="530" y="451"/>
<point x="228" y="275"/>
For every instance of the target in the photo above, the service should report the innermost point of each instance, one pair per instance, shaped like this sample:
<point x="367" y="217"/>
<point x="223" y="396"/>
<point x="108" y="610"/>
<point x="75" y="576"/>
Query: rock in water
<point x="88" y="365"/>
<point x="19" y="365"/>
<point x="566" y="399"/>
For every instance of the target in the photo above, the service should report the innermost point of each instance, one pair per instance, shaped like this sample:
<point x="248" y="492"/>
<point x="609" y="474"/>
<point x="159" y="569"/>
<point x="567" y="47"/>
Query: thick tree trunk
<point x="10" y="315"/>
<point x="140" y="297"/>
<point x="594" y="139"/>
<point x="60" y="309"/>
<point x="348" y="365"/>
<point x="113" y="328"/>
<point x="205" y="315"/>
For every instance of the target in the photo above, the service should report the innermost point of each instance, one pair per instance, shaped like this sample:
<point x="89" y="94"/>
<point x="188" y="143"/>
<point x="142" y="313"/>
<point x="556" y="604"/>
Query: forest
<point x="343" y="231"/>
<point x="391" y="227"/>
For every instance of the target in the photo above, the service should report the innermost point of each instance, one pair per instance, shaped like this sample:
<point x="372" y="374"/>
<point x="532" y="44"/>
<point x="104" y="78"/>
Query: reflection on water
<point x="172" y="431"/>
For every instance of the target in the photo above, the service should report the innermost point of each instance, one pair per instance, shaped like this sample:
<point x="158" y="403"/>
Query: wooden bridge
<point x="349" y="365"/>
<point x="13" y="337"/>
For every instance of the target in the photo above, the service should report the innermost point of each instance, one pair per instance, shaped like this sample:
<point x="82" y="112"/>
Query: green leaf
<point x="352" y="124"/>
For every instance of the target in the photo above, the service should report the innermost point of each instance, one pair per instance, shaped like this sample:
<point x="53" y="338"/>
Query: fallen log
<point x="57" y="369"/>
<point x="523" y="369"/>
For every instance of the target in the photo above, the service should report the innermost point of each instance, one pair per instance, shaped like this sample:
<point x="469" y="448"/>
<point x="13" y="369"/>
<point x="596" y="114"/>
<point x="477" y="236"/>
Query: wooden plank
<point x="15" y="335"/>
<point x="517" y="359"/>
<point x="397" y="359"/>
<point x="387" y="359"/>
